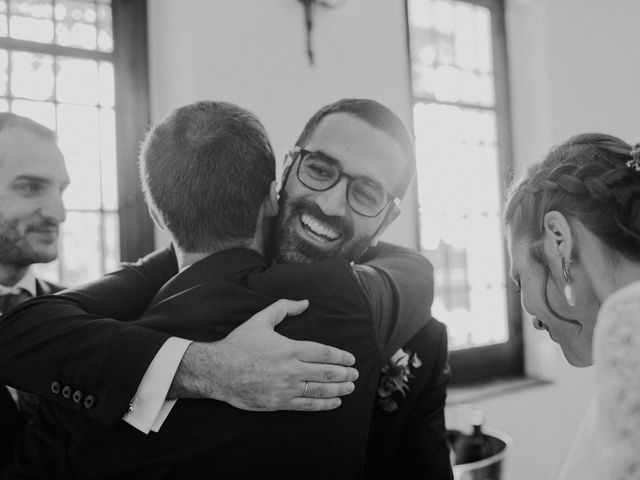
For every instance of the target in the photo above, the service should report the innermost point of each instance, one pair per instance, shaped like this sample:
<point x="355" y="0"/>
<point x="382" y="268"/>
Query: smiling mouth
<point x="317" y="230"/>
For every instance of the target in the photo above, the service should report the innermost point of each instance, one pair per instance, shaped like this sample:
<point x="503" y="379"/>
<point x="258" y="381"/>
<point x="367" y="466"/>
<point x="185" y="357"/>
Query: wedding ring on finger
<point x="306" y="387"/>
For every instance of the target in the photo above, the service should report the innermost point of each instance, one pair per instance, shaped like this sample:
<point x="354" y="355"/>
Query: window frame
<point x="490" y="362"/>
<point x="130" y="60"/>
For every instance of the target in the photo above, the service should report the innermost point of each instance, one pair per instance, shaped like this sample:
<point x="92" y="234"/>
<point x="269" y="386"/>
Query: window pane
<point x="77" y="81"/>
<point x="483" y="39"/>
<point x="111" y="242"/>
<point x="108" y="159"/>
<point x="461" y="234"/>
<point x="106" y="84"/>
<point x="76" y="25"/>
<point x="81" y="247"/>
<point x="4" y="76"/>
<point x="451" y="52"/>
<point x="4" y="105"/>
<point x="79" y="140"/>
<point x="4" y="29"/>
<point x="31" y="20"/>
<point x="32" y="75"/>
<point x="41" y="112"/>
<point x="105" y="30"/>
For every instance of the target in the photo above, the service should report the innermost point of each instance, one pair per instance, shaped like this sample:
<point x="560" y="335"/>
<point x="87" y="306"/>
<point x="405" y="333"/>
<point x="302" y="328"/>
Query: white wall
<point x="574" y="66"/>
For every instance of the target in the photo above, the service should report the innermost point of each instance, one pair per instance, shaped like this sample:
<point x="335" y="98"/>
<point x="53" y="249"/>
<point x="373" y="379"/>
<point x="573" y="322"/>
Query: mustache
<point x="339" y="224"/>
<point x="44" y="224"/>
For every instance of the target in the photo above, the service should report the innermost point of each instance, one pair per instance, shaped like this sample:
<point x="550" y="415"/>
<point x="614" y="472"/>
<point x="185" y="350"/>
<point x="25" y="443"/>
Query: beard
<point x="289" y="247"/>
<point x="15" y="247"/>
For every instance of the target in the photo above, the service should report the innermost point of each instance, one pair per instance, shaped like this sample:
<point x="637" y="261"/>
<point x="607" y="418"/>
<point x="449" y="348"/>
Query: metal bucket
<point x="489" y="468"/>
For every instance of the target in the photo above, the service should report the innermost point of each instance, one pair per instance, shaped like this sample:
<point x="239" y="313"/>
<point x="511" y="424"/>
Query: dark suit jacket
<point x="212" y="439"/>
<point x="411" y="438"/>
<point x="409" y="275"/>
<point x="11" y="420"/>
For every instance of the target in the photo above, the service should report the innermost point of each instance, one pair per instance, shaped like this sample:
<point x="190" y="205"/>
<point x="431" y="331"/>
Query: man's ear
<point x="156" y="218"/>
<point x="389" y="217"/>
<point x="270" y="202"/>
<point x="288" y="163"/>
<point x="558" y="237"/>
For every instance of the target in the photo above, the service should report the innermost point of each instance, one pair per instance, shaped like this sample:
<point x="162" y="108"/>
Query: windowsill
<point x="472" y="393"/>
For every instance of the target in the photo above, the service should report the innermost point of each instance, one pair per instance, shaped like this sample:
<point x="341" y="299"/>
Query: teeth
<point x="318" y="228"/>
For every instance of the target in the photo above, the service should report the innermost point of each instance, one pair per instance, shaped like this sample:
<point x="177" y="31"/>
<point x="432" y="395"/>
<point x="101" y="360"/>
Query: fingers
<point x="326" y="390"/>
<point x="329" y="374"/>
<point x="314" y="404"/>
<point x="312" y="352"/>
<point x="277" y="311"/>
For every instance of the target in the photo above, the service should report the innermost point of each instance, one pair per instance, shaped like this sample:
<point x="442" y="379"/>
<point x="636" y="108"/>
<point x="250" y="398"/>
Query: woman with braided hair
<point x="573" y="227"/>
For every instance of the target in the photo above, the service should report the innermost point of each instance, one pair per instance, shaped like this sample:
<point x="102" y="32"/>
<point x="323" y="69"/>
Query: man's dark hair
<point x="205" y="171"/>
<point x="376" y="115"/>
<point x="9" y="120"/>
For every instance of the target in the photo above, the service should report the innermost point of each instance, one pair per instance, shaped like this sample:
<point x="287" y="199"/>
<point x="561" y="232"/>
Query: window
<point x="74" y="66"/>
<point x="460" y="114"/>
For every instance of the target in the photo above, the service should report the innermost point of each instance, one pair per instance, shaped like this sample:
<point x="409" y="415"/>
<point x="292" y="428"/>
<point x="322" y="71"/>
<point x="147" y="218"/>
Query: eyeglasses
<point x="319" y="172"/>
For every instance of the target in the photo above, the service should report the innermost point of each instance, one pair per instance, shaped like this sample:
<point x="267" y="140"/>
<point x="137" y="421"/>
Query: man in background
<point x="32" y="179"/>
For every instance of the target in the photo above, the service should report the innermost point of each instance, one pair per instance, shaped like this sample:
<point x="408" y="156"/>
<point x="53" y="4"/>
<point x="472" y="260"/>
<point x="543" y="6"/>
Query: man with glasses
<point x="351" y="167"/>
<point x="335" y="202"/>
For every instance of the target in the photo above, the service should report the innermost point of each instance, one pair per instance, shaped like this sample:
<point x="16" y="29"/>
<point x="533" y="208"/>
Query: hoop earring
<point x="568" y="289"/>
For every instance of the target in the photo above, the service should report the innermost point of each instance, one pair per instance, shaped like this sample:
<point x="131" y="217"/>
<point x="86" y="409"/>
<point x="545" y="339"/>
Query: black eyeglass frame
<point x="391" y="198"/>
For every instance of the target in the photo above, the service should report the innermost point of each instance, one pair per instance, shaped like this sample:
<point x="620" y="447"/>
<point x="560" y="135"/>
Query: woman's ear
<point x="270" y="202"/>
<point x="558" y="237"/>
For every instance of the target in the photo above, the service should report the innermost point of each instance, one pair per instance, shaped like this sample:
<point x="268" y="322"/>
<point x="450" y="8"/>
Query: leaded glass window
<point x="460" y="146"/>
<point x="57" y="67"/>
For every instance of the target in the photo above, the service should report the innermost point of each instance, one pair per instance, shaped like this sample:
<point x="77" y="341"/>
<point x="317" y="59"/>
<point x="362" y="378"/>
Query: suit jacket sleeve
<point x="75" y="339"/>
<point x="411" y="439"/>
<point x="399" y="284"/>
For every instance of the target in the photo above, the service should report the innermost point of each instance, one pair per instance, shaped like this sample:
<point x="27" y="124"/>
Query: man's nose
<point x="333" y="202"/>
<point x="53" y="207"/>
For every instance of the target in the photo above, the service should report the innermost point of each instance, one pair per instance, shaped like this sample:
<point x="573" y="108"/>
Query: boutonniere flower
<point x="395" y="378"/>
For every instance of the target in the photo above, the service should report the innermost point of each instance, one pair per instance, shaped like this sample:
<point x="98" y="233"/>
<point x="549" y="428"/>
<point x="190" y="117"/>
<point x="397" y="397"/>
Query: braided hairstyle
<point x="592" y="178"/>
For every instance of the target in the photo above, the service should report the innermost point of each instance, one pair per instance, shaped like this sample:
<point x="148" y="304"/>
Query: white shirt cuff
<point x="149" y="408"/>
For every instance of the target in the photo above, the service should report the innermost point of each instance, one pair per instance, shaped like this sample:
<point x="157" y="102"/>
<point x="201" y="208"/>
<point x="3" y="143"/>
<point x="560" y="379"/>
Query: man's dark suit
<point x="411" y="438"/>
<point x="11" y="420"/>
<point x="423" y="407"/>
<point x="208" y="438"/>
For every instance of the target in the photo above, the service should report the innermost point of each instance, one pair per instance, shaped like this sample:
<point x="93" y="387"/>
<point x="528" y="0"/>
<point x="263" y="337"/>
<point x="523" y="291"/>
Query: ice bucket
<point x="489" y="468"/>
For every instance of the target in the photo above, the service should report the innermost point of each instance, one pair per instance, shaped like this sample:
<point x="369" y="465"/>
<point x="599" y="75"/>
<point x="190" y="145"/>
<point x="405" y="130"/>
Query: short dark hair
<point x="376" y="115"/>
<point x="8" y="120"/>
<point x="205" y="171"/>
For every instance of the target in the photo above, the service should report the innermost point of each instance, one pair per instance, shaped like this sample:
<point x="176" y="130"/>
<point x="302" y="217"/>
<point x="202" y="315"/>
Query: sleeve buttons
<point x="89" y="401"/>
<point x="55" y="387"/>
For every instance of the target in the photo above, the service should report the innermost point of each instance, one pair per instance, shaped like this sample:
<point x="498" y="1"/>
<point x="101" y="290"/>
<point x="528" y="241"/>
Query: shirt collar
<point x="27" y="282"/>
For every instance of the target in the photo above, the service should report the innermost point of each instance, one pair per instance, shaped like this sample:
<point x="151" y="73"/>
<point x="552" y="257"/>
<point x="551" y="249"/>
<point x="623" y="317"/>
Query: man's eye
<point x="29" y="188"/>
<point x="364" y="195"/>
<point x="319" y="170"/>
